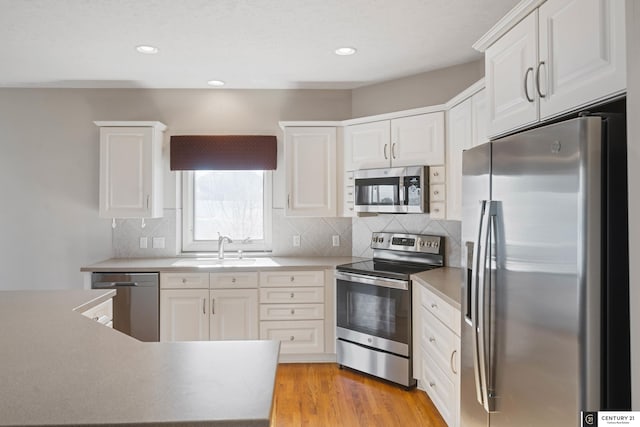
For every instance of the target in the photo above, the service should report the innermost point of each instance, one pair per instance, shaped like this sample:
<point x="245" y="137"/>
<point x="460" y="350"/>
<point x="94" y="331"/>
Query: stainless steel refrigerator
<point x="545" y="317"/>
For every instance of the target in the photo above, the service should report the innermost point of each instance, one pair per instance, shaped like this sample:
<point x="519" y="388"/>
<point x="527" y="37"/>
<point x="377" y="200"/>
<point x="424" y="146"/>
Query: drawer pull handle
<point x="436" y="192"/>
<point x="96" y="318"/>
<point x="432" y="339"/>
<point x="432" y="384"/>
<point x="293" y="311"/>
<point x="292" y="295"/>
<point x="293" y="278"/>
<point x="434" y="305"/>
<point x="292" y="338"/>
<point x="233" y="280"/>
<point x="184" y="280"/>
<point x="453" y="365"/>
<point x="436" y="174"/>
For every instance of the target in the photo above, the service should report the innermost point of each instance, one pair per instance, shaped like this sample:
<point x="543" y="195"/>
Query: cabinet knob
<point x="292" y="278"/>
<point x="432" y="339"/>
<point x="436" y="192"/>
<point x="436" y="210"/>
<point x="292" y="338"/>
<point x="184" y="280"/>
<point x="233" y="280"/>
<point x="432" y="384"/>
<point x="293" y="311"/>
<point x="292" y="294"/>
<point x="436" y="174"/>
<point x="434" y="305"/>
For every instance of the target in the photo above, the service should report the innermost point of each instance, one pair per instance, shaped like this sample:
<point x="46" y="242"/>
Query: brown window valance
<point x="223" y="152"/>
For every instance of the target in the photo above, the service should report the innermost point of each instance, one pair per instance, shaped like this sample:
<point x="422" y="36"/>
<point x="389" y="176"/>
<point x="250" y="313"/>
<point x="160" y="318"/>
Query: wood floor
<point x="322" y="395"/>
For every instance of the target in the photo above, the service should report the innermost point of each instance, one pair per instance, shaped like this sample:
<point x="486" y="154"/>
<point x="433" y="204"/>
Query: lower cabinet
<point x="288" y="306"/>
<point x="437" y="353"/>
<point x="184" y="314"/>
<point x="234" y="314"/>
<point x="292" y="310"/>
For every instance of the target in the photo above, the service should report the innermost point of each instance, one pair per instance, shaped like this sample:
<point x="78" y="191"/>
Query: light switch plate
<point x="158" y="242"/>
<point x="335" y="239"/>
<point x="144" y="243"/>
<point x="296" y="240"/>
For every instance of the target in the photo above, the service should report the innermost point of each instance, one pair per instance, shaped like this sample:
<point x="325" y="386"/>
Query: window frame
<point x="190" y="245"/>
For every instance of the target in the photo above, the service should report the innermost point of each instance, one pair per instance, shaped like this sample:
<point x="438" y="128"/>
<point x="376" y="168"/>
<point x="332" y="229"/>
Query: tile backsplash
<point x="409" y="223"/>
<point x="315" y="235"/>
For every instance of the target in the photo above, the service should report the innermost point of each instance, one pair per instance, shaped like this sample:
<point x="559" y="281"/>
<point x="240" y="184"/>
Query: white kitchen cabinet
<point x="479" y="118"/>
<point x="292" y="310"/>
<point x="101" y="313"/>
<point x="184" y="315"/>
<point x="310" y="161"/>
<point x="234" y="314"/>
<point x="563" y="55"/>
<point x="367" y="145"/>
<point x="404" y="141"/>
<point x="437" y="352"/>
<point x="437" y="192"/>
<point x="131" y="169"/>
<point x="349" y="195"/>
<point x="582" y="53"/>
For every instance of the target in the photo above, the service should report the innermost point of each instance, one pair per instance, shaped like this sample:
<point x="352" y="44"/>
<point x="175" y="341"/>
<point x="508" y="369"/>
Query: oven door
<point x="374" y="312"/>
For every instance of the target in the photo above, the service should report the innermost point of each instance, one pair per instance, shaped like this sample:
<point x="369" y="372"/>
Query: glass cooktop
<point x="389" y="269"/>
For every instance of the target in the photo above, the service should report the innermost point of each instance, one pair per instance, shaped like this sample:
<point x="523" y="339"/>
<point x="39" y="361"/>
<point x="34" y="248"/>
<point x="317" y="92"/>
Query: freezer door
<point x="476" y="170"/>
<point x="546" y="261"/>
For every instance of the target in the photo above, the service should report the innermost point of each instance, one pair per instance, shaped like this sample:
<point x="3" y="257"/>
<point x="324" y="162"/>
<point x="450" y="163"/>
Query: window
<point x="236" y="204"/>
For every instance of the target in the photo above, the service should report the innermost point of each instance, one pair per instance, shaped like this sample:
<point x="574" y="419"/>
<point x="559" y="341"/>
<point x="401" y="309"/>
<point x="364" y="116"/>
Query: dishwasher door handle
<point x="100" y="285"/>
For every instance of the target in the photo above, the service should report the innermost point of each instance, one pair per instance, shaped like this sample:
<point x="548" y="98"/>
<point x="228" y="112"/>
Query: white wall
<point x="430" y="88"/>
<point x="633" y="139"/>
<point x="49" y="223"/>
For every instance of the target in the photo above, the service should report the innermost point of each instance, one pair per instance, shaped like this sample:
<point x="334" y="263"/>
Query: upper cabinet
<point x="130" y="169"/>
<point x="404" y="141"/>
<point x="310" y="158"/>
<point x="561" y="56"/>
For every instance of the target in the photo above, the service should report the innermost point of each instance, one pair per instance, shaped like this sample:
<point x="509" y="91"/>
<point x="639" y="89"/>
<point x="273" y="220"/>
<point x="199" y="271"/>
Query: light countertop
<point x="231" y="263"/>
<point x="446" y="282"/>
<point x="58" y="367"/>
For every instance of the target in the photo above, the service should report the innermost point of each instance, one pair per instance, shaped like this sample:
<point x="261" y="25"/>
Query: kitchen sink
<point x="213" y="262"/>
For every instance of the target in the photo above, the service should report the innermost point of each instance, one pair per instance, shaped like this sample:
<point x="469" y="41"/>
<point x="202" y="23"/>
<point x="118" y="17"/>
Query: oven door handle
<point x="371" y="280"/>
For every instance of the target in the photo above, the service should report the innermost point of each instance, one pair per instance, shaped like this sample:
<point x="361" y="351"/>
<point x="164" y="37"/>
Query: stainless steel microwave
<point x="392" y="190"/>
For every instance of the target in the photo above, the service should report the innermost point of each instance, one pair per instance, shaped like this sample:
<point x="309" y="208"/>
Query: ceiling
<point x="270" y="44"/>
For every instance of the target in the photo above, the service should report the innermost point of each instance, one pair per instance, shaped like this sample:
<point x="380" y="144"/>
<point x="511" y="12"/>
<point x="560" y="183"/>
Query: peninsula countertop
<point x="58" y="367"/>
<point x="212" y="264"/>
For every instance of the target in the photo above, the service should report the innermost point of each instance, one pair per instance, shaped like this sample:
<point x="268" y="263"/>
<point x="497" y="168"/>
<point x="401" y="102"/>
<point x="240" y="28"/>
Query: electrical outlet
<point x="335" y="239"/>
<point x="296" y="241"/>
<point x="144" y="243"/>
<point x="158" y="242"/>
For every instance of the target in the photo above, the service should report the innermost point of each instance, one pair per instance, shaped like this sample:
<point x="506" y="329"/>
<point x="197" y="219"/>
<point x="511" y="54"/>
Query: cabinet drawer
<point x="184" y="280"/>
<point x="439" y="308"/>
<point x="436" y="192"/>
<point x="436" y="175"/>
<point x="233" y="280"/>
<point x="291" y="295"/>
<point x="291" y="311"/>
<point x="440" y="343"/>
<point x="440" y="389"/>
<point x="292" y="278"/>
<point x="102" y="312"/>
<point x="436" y="210"/>
<point x="296" y="336"/>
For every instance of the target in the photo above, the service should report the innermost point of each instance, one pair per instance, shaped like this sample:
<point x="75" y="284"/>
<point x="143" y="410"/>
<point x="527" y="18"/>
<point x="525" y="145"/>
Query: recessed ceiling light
<point x="215" y="83"/>
<point x="147" y="49"/>
<point x="345" y="51"/>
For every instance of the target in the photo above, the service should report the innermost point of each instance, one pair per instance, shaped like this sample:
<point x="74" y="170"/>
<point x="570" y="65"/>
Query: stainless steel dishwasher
<point x="136" y="304"/>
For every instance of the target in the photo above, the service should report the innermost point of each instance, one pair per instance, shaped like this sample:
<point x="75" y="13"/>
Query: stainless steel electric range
<point x="373" y="305"/>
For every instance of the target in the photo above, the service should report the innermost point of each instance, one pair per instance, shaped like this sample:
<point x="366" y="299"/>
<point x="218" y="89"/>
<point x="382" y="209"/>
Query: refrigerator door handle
<point x="484" y="251"/>
<point x="487" y="311"/>
<point x="475" y="278"/>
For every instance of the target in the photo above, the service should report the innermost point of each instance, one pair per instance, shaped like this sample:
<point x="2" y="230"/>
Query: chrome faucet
<point x="221" y="241"/>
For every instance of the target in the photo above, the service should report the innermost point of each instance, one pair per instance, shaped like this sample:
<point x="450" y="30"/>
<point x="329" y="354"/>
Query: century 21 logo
<point x="590" y="419"/>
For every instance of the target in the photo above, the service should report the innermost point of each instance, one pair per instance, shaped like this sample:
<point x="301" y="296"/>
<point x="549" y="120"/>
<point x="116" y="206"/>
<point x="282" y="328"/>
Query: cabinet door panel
<point x="582" y="45"/>
<point x="184" y="315"/>
<point x="125" y="169"/>
<point x="368" y="145"/>
<point x="234" y="314"/>
<point x="459" y="138"/>
<point x="310" y="155"/>
<point x="418" y="140"/>
<point x="510" y="66"/>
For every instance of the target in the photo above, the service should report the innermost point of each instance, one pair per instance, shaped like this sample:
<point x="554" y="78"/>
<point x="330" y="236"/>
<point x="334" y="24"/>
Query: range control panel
<point x="408" y="242"/>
